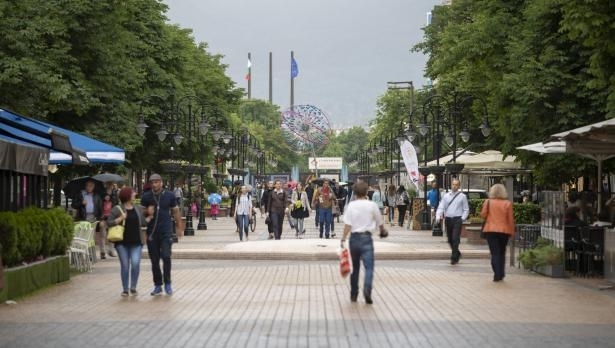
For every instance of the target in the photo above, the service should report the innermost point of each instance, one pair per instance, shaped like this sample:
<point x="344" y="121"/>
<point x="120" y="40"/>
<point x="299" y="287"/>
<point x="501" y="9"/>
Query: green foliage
<point x="211" y="187"/>
<point x="525" y="213"/>
<point x="541" y="66"/>
<point x="544" y="253"/>
<point x="33" y="233"/>
<point x="475" y="204"/>
<point x="92" y="66"/>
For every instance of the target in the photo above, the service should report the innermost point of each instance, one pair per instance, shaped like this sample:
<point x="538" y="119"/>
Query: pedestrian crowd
<point x="365" y="211"/>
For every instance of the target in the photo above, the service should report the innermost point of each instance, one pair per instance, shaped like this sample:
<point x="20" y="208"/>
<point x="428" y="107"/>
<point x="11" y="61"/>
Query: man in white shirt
<point x="454" y="209"/>
<point x="361" y="219"/>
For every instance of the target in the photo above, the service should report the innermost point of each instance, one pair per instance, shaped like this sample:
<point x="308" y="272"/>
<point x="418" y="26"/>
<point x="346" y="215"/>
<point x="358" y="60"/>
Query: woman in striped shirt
<point x="243" y="211"/>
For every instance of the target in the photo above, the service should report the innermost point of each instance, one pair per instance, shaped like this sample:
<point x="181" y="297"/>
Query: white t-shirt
<point x="362" y="215"/>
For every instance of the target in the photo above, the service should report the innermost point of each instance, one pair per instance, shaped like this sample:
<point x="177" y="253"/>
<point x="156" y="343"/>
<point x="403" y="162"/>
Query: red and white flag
<point x="249" y="74"/>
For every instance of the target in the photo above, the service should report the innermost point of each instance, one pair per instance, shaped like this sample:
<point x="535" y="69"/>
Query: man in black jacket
<point x="89" y="208"/>
<point x="265" y="203"/>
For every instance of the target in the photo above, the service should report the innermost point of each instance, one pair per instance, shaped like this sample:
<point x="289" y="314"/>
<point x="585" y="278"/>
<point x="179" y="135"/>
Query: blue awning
<point x="66" y="146"/>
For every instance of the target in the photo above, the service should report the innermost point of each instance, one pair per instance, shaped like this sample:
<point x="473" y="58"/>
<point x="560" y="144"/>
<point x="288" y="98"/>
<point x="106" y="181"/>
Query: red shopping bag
<point x="344" y="262"/>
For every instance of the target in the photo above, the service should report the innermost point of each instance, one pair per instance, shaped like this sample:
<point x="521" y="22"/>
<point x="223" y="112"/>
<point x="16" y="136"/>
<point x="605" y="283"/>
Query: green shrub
<point x="525" y="213"/>
<point x="475" y="204"/>
<point x="542" y="254"/>
<point x="8" y="239"/>
<point x="32" y="233"/>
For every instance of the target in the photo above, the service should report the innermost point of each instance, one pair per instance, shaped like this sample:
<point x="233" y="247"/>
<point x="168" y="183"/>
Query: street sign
<point x="318" y="163"/>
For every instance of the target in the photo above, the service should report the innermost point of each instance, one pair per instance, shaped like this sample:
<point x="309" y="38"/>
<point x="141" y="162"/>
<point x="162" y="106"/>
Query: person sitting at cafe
<point x="571" y="217"/>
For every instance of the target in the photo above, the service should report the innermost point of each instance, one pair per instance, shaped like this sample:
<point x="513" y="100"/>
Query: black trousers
<point x="497" y="246"/>
<point x="401" y="209"/>
<point x="453" y="234"/>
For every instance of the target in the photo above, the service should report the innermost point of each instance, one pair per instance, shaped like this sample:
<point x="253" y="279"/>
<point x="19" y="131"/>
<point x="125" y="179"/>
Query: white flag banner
<point x="411" y="161"/>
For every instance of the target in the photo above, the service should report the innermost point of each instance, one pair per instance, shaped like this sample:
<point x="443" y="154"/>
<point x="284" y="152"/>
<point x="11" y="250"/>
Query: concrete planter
<point x="471" y="231"/>
<point x="553" y="271"/>
<point x="22" y="280"/>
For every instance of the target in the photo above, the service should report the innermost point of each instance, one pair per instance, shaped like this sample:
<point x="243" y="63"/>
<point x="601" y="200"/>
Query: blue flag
<point x="294" y="70"/>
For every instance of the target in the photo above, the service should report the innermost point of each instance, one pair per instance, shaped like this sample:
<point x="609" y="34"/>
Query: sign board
<point x="318" y="163"/>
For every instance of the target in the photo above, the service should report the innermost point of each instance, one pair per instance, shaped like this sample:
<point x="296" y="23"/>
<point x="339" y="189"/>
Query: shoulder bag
<point x="116" y="233"/>
<point x="482" y="228"/>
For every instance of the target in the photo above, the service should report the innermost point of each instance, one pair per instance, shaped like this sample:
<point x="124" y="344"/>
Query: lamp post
<point x="442" y="120"/>
<point x="186" y="120"/>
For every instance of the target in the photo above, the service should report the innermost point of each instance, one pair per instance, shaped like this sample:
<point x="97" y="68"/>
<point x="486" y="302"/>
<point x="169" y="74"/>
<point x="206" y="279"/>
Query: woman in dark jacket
<point x="129" y="249"/>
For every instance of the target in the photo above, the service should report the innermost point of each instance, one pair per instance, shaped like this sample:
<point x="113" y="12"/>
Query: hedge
<point x="32" y="234"/>
<point x="524" y="213"/>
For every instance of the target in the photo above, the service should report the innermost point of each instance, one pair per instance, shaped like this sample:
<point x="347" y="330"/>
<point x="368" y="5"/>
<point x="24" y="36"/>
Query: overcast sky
<point x="346" y="50"/>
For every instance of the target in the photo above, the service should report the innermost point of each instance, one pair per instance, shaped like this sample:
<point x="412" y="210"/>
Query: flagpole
<point x="292" y="83"/>
<point x="270" y="78"/>
<point x="249" y="76"/>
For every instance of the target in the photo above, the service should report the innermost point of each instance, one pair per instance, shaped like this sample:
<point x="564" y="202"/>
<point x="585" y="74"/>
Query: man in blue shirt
<point x="159" y="205"/>
<point x="433" y="198"/>
<point x="454" y="209"/>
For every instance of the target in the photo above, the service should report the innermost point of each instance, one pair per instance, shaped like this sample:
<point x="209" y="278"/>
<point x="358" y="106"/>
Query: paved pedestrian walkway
<point x="220" y="241"/>
<point x="236" y="303"/>
<point x="249" y="299"/>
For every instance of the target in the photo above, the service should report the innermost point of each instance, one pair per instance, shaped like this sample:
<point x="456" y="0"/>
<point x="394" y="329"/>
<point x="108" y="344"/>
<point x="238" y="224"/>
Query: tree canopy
<point x="540" y="66"/>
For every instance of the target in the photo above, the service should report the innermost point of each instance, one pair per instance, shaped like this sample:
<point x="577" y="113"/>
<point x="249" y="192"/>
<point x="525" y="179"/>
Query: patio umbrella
<point x="108" y="177"/>
<point x="595" y="141"/>
<point x="74" y="187"/>
<point x="214" y="198"/>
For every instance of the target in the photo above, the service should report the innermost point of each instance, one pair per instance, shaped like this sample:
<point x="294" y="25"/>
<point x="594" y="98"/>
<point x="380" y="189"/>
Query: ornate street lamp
<point x="442" y="122"/>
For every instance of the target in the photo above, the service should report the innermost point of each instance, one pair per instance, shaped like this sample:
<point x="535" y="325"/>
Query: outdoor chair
<point x="86" y="231"/>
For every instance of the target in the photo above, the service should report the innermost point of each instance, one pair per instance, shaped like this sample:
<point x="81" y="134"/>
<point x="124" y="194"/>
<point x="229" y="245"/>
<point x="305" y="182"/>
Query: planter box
<point x="23" y="280"/>
<point x="553" y="271"/>
<point x="471" y="231"/>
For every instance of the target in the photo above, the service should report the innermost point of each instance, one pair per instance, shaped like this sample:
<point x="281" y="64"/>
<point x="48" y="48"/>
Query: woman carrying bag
<point x="499" y="226"/>
<point x="299" y="208"/>
<point x="129" y="248"/>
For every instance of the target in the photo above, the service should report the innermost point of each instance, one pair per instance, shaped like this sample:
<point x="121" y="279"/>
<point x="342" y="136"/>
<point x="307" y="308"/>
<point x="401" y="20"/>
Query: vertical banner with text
<point x="411" y="161"/>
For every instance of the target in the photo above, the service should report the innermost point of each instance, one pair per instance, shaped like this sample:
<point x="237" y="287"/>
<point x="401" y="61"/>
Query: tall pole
<point x="270" y="78"/>
<point x="292" y="83"/>
<point x="249" y="76"/>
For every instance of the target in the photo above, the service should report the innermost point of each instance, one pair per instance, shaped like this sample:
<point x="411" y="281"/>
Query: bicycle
<point x="253" y="221"/>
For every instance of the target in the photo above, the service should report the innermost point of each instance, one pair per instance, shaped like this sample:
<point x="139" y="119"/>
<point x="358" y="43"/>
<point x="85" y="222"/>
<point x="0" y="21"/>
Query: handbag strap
<point x="121" y="211"/>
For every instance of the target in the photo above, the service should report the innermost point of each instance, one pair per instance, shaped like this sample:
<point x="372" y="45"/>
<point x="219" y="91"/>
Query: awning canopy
<point x="595" y="141"/>
<point x="22" y="157"/>
<point x="66" y="146"/>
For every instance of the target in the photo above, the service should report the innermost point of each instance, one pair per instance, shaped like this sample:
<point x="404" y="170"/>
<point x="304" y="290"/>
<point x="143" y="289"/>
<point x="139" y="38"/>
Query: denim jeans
<point x="159" y="247"/>
<point x="497" y="246"/>
<point x="325" y="219"/>
<point x="243" y="224"/>
<point x="299" y="226"/>
<point x="391" y="213"/>
<point x="361" y="248"/>
<point x="130" y="263"/>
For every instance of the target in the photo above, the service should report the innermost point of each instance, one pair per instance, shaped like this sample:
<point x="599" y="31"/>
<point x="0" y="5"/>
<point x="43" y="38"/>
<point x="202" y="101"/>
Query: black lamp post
<point x="442" y="120"/>
<point x="186" y="120"/>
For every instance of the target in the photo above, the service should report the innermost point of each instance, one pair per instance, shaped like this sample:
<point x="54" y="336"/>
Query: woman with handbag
<point x="391" y="203"/>
<point x="499" y="226"/>
<point x="129" y="248"/>
<point x="299" y="208"/>
<point x="243" y="212"/>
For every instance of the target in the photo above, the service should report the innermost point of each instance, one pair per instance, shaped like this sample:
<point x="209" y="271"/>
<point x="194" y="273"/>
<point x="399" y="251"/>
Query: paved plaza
<point x="256" y="302"/>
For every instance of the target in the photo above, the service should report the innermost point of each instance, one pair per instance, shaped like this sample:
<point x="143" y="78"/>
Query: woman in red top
<point x="499" y="226"/>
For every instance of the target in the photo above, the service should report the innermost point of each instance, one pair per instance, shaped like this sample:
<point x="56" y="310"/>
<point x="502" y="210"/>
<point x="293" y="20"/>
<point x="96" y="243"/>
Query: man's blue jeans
<point x="361" y="248"/>
<point x="325" y="219"/>
<point x="130" y="262"/>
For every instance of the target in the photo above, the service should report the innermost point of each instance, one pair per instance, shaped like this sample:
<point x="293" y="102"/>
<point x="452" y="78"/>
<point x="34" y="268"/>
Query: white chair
<point x="82" y="251"/>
